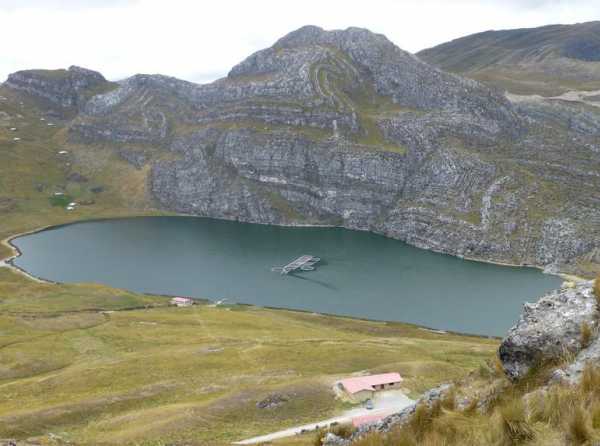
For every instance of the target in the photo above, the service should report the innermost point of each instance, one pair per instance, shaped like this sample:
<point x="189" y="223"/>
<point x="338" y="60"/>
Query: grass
<point x="31" y="171"/>
<point x="60" y="200"/>
<point x="515" y="426"/>
<point x="586" y="334"/>
<point x="96" y="365"/>
<point x="514" y="415"/>
<point x="579" y="427"/>
<point x="597" y="289"/>
<point x="335" y="81"/>
<point x="112" y="367"/>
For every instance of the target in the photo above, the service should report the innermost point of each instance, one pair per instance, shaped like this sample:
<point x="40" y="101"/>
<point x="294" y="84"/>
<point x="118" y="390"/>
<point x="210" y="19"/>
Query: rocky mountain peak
<point x="314" y="35"/>
<point x="357" y="62"/>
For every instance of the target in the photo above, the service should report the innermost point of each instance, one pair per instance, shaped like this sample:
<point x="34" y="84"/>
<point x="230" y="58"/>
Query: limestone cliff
<point x="344" y="128"/>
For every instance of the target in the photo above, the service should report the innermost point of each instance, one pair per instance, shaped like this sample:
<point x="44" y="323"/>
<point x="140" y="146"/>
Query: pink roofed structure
<point x="369" y="419"/>
<point x="363" y="387"/>
<point x="370" y="382"/>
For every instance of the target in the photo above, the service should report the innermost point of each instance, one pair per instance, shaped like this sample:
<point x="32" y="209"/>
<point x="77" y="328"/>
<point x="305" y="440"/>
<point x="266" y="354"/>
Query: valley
<point x="339" y="129"/>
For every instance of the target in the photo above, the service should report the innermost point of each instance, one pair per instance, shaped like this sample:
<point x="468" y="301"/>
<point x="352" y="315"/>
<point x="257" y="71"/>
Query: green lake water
<point x="361" y="274"/>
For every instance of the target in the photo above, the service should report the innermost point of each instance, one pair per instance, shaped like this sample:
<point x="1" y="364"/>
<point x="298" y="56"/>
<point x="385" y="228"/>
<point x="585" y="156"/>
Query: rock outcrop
<point x="63" y="88"/>
<point x="343" y="128"/>
<point x="549" y="330"/>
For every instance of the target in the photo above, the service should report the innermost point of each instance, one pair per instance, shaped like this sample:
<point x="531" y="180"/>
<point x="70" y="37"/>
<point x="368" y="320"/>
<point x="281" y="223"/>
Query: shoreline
<point x="7" y="241"/>
<point x="16" y="252"/>
<point x="7" y="262"/>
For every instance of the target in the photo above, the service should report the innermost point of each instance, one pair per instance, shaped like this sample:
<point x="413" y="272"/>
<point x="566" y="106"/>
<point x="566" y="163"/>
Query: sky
<point x="201" y="40"/>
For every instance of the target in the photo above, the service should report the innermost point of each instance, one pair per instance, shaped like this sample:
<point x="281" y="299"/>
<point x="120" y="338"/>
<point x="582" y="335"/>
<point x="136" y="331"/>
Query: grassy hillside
<point x="528" y="413"/>
<point x="549" y="60"/>
<point x="32" y="171"/>
<point x="86" y="364"/>
<point x="95" y="365"/>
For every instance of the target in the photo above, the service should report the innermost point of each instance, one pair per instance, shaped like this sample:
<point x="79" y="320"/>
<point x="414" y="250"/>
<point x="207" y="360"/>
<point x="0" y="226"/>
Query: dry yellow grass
<point x="597" y="289"/>
<point x="586" y="334"/>
<point x="559" y="415"/>
<point x="159" y="374"/>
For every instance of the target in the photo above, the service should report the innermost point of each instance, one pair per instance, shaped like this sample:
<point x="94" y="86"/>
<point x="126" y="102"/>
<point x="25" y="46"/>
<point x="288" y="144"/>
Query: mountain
<point x="343" y="128"/>
<point x="549" y="60"/>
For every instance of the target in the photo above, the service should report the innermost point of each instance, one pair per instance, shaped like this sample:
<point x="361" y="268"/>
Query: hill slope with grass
<point x="542" y="389"/>
<point x="332" y="128"/>
<point x="86" y="364"/>
<point x="549" y="60"/>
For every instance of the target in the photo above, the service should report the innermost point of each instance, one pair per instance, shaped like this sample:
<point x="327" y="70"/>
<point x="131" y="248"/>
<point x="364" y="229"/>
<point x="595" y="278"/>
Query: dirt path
<point x="384" y="403"/>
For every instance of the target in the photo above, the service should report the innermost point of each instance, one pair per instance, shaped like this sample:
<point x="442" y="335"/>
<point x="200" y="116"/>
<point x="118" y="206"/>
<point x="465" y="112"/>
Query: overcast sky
<point x="201" y="40"/>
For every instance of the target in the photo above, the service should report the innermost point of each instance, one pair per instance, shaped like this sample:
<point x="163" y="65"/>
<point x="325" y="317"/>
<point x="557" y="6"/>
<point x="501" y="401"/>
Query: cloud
<point x="201" y="41"/>
<point x="8" y="5"/>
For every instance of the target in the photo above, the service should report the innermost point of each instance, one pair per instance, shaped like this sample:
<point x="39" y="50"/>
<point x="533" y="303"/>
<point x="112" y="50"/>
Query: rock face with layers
<point x="343" y="128"/>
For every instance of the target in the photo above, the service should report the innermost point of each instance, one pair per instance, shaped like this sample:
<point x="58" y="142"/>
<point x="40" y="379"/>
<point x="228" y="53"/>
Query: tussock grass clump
<point x="597" y="289"/>
<point x="514" y="425"/>
<point x="448" y="401"/>
<point x="343" y="430"/>
<point x="590" y="381"/>
<point x="527" y="413"/>
<point x="595" y="414"/>
<point x="498" y="367"/>
<point x="471" y="408"/>
<point x="318" y="438"/>
<point x="452" y="427"/>
<point x="552" y="407"/>
<point x="484" y="370"/>
<point x="579" y="430"/>
<point x="586" y="335"/>
<point x="421" y="420"/>
<point x="374" y="439"/>
<point x="402" y="437"/>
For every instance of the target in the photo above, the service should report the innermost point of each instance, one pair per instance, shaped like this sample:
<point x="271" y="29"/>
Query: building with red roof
<point x="362" y="388"/>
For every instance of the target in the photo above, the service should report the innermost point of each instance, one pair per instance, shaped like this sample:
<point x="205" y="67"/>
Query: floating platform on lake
<point x="303" y="263"/>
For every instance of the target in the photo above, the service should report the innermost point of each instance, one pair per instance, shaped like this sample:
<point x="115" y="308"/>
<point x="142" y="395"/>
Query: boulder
<point x="548" y="330"/>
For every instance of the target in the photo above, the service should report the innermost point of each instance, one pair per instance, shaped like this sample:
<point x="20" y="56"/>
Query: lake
<point x="361" y="274"/>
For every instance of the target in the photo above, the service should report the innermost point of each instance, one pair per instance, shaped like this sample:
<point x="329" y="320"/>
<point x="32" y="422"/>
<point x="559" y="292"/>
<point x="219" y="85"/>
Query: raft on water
<point x="303" y="263"/>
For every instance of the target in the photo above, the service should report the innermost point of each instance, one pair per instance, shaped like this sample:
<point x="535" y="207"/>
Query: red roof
<point x="354" y="385"/>
<point x="369" y="419"/>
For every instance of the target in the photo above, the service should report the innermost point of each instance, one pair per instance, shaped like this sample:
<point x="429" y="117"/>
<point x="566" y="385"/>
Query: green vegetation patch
<point x="60" y="200"/>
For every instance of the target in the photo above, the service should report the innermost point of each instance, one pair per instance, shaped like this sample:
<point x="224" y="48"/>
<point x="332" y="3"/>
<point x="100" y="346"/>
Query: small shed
<point x="362" y="388"/>
<point x="182" y="301"/>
